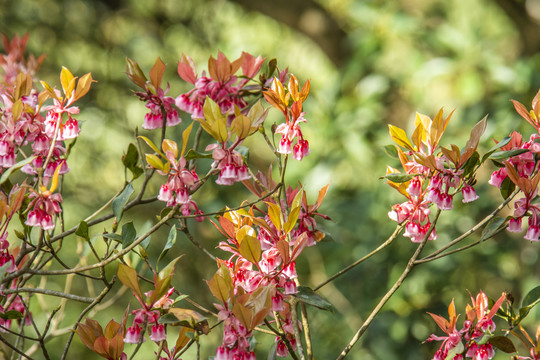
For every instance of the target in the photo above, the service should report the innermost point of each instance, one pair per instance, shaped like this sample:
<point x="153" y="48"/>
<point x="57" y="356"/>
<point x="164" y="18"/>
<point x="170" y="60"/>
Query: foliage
<point x="442" y="52"/>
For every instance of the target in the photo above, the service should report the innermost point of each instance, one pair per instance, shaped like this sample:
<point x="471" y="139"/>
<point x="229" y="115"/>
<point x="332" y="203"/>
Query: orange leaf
<point x="244" y="315"/>
<point x="293" y="88"/>
<point x="83" y="86"/>
<point x="156" y="73"/>
<point x="128" y="277"/>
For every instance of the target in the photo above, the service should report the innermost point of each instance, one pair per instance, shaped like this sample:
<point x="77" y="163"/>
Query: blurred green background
<point x="371" y="63"/>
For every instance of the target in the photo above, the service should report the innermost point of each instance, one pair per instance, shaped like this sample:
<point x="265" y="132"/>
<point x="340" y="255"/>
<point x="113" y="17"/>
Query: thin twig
<point x="2" y="339"/>
<point x="390" y="293"/>
<point x="185" y="230"/>
<point x="424" y="260"/>
<point x="109" y="260"/>
<point x="96" y="301"/>
<point x="296" y="329"/>
<point x="282" y="335"/>
<point x="470" y="231"/>
<point x="307" y="336"/>
<point x="49" y="292"/>
<point x="392" y="237"/>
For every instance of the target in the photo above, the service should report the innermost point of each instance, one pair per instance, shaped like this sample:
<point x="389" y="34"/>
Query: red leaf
<point x="187" y="70"/>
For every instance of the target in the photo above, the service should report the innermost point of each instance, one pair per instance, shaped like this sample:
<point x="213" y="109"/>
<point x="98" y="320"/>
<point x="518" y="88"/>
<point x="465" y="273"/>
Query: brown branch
<point x="394" y="235"/>
<point x="390" y="293"/>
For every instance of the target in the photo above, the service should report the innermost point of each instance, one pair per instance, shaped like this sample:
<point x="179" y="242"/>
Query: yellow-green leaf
<point x="152" y="145"/>
<point x="250" y="249"/>
<point x="169" y="145"/>
<point x="17" y="109"/>
<point x="128" y="277"/>
<point x="274" y="212"/>
<point x="66" y="79"/>
<point x="400" y="137"/>
<point x="241" y="126"/>
<point x="154" y="161"/>
<point x="221" y="284"/>
<point x="291" y="220"/>
<point x="185" y="138"/>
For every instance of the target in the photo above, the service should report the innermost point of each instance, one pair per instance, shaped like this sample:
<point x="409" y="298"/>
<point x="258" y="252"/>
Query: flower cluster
<point x="22" y="124"/>
<point x="225" y="88"/>
<point x="180" y="180"/>
<point x="152" y="304"/>
<point x="261" y="273"/>
<point x="433" y="174"/>
<point x="469" y="342"/>
<point x="289" y="102"/>
<point x="13" y="61"/>
<point x="520" y="169"/>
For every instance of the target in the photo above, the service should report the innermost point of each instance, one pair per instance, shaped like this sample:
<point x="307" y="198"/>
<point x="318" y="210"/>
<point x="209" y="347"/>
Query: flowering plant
<point x="256" y="286"/>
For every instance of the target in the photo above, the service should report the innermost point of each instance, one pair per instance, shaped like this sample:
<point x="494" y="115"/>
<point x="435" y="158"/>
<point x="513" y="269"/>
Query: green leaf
<point x="503" y="343"/>
<point x="497" y="146"/>
<point x="112" y="236"/>
<point x="128" y="234"/>
<point x="501" y="155"/>
<point x="183" y="317"/>
<point x="180" y="298"/>
<point x="493" y="226"/>
<point x="171" y="240"/>
<point x="11" y="315"/>
<point x="15" y="167"/>
<point x="121" y="201"/>
<point x="272" y="65"/>
<point x="82" y="230"/>
<point x="399" y="178"/>
<point x="310" y="297"/>
<point x="391" y="151"/>
<point x="507" y="188"/>
<point x="167" y="271"/>
<point x="152" y="145"/>
<point x="471" y="163"/>
<point x="192" y="154"/>
<point x="131" y="159"/>
<point x="532" y="297"/>
<point x="172" y="319"/>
